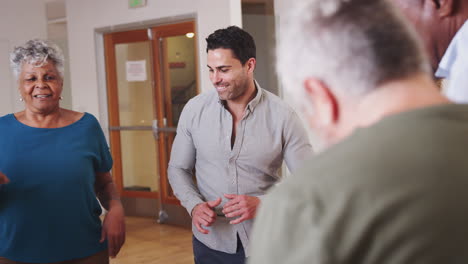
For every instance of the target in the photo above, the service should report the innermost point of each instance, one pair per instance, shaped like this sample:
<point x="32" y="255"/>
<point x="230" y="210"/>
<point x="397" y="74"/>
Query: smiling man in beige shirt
<point x="236" y="138"/>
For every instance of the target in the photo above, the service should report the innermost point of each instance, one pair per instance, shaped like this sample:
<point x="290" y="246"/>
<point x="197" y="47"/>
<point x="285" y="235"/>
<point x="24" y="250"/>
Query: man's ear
<point x="445" y="8"/>
<point x="324" y="102"/>
<point x="251" y="63"/>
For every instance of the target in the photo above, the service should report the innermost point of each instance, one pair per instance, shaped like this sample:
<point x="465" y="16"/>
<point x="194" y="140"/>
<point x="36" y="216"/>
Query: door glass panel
<point x="136" y="109"/>
<point x="181" y="74"/>
<point x="139" y="166"/>
<point x="179" y="79"/>
<point x="135" y="93"/>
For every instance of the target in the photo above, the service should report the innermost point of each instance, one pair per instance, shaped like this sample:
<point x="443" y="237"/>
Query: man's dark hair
<point x="234" y="38"/>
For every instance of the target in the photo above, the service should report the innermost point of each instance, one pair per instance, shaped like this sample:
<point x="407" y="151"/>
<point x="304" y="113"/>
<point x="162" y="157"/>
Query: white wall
<point x="262" y="29"/>
<point x="20" y="20"/>
<point x="57" y="33"/>
<point x="85" y="17"/>
<point x="281" y="6"/>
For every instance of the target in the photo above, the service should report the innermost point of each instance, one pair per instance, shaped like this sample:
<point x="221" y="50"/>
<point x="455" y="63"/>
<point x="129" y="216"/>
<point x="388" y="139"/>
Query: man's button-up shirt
<point x="269" y="133"/>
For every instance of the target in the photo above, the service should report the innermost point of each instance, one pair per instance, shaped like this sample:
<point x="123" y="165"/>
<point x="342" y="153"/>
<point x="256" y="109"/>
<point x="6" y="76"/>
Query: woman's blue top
<point x="49" y="211"/>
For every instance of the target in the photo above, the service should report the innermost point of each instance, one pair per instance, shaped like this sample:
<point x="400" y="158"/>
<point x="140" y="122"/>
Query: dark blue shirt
<point x="49" y="211"/>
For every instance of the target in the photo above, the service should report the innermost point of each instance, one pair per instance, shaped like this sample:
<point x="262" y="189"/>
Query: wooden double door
<point x="151" y="75"/>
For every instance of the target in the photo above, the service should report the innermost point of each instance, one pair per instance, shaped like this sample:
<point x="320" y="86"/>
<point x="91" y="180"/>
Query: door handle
<point x="156" y="129"/>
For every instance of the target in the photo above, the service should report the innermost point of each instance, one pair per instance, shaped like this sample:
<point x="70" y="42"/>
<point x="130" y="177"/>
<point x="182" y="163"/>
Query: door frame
<point x="110" y="40"/>
<point x="164" y="92"/>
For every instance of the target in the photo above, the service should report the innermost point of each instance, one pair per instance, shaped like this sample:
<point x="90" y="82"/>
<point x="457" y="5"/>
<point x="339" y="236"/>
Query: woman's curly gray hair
<point x="36" y="52"/>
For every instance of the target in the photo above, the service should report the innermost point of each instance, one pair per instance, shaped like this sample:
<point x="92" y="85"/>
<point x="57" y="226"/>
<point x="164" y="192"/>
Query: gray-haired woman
<point x="53" y="164"/>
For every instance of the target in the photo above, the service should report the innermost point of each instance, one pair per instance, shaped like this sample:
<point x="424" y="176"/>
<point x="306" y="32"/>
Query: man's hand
<point x="3" y="179"/>
<point x="203" y="214"/>
<point x="240" y="205"/>
<point x="113" y="229"/>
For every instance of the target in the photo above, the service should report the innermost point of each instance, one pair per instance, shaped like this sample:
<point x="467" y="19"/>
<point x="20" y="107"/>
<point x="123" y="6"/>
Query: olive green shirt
<point x="395" y="192"/>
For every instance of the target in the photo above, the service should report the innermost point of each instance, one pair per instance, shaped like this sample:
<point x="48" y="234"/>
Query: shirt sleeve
<point x="182" y="163"/>
<point x="297" y="146"/>
<point x="286" y="230"/>
<point x="104" y="158"/>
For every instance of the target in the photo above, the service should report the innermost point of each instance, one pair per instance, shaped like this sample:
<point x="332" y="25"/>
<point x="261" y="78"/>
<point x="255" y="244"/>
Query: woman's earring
<point x="21" y="99"/>
<point x="61" y="97"/>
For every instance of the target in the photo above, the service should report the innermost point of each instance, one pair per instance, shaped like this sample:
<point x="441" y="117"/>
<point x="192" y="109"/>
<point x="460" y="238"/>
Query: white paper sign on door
<point x="136" y="71"/>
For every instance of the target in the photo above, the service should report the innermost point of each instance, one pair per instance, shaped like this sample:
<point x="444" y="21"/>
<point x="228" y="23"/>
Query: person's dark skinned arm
<point x="113" y="227"/>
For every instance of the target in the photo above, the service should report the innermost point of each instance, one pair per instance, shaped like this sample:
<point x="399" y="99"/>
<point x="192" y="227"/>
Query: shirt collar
<point x="254" y="102"/>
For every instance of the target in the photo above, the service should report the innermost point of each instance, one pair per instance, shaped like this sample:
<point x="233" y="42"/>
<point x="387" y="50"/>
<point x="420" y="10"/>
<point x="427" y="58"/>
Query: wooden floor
<point x="151" y="243"/>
